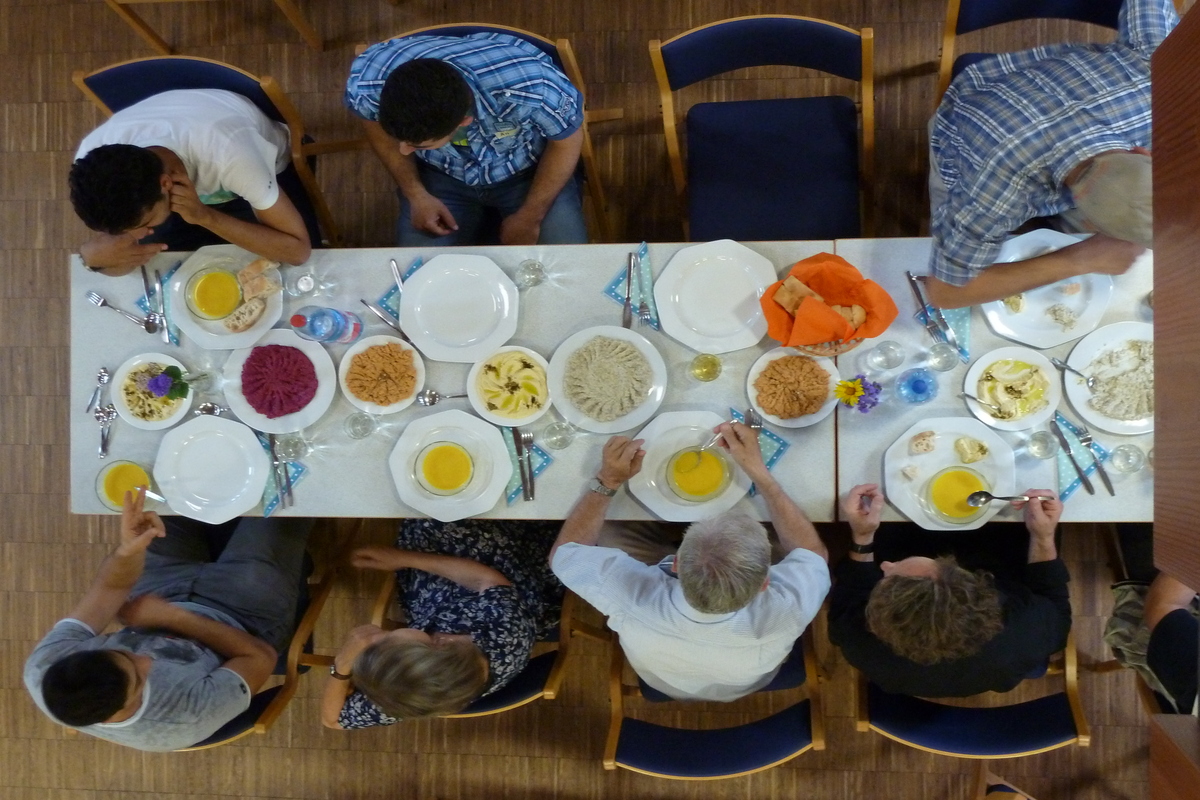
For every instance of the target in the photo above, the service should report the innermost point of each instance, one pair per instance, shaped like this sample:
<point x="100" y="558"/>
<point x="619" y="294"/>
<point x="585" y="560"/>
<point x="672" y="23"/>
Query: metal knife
<point x="162" y="307"/>
<point x="282" y="498"/>
<point x="627" y="312"/>
<point x="396" y="275"/>
<point x="1066" y="446"/>
<point x="930" y="326"/>
<point x="146" y="287"/>
<point x="519" y="446"/>
<point x="386" y="318"/>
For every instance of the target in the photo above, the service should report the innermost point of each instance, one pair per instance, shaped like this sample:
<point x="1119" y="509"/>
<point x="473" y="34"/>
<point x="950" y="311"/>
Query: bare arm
<point x="428" y="213"/>
<point x="120" y="254"/>
<point x="1041" y="518"/>
<point x="863" y="508"/>
<point x="554" y="169"/>
<point x="333" y="697"/>
<point x="466" y="572"/>
<point x="622" y="459"/>
<point x="279" y="234"/>
<point x="1166" y="595"/>
<point x="1098" y="253"/>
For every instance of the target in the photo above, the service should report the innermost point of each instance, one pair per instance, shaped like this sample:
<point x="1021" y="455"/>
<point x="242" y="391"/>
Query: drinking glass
<point x="558" y="435"/>
<point x="530" y="273"/>
<point x="299" y="281"/>
<point x="292" y="446"/>
<point x="1127" y="458"/>
<point x="360" y="425"/>
<point x="705" y="367"/>
<point x="943" y="356"/>
<point x="886" y="355"/>
<point x="1042" y="445"/>
<point x="916" y="386"/>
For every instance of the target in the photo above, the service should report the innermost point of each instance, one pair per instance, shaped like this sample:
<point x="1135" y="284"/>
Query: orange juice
<point x="949" y="489"/>
<point x="122" y="477"/>
<point x="215" y="294"/>
<point x="697" y="475"/>
<point x="445" y="468"/>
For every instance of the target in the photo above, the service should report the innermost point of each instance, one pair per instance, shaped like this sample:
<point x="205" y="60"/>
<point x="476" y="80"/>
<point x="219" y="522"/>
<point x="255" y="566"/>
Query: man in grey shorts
<point x="202" y="635"/>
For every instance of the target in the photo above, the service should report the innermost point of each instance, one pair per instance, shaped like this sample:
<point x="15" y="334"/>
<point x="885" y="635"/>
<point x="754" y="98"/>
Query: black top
<point x="1037" y="619"/>
<point x="1172" y="655"/>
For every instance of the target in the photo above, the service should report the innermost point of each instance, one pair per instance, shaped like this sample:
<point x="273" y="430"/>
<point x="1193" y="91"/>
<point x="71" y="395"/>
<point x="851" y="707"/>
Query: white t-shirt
<point x="682" y="652"/>
<point x="229" y="147"/>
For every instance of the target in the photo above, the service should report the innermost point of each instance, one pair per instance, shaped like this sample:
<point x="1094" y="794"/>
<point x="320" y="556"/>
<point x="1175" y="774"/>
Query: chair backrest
<point x="540" y="42"/>
<point x="974" y="15"/>
<point x="241" y="725"/>
<point x="759" y="41"/>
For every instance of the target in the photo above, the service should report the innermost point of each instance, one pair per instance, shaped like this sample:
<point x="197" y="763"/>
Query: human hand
<point x="381" y="558"/>
<point x="742" y="443"/>
<point x="119" y="254"/>
<point x="1041" y="516"/>
<point x="520" y="228"/>
<point x="360" y="639"/>
<point x="430" y="215"/>
<point x="147" y="611"/>
<point x="186" y="202"/>
<point x="1104" y="254"/>
<point x="138" y="527"/>
<point x="863" y="508"/>
<point x="621" y="460"/>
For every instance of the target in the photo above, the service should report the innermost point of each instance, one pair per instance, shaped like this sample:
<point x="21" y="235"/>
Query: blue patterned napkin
<point x="270" y="498"/>
<point x="145" y="307"/>
<point x="1068" y="481"/>
<point x="959" y="320"/>
<point x="539" y="458"/>
<point x="772" y="446"/>
<point x="643" y="289"/>
<point x="391" y="298"/>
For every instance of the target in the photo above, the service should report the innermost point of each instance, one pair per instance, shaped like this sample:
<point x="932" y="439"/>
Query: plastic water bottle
<point x="328" y="325"/>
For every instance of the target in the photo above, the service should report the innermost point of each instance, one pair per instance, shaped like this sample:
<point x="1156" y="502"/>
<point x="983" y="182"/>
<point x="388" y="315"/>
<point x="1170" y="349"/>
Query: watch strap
<point x="599" y="488"/>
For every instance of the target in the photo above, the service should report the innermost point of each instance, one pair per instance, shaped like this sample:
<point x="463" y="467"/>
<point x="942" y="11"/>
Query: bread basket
<point x="828" y="349"/>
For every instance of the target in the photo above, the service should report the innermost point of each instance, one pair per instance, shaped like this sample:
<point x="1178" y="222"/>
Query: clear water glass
<point x="943" y="357"/>
<point x="530" y="273"/>
<point x="558" y="435"/>
<point x="292" y="446"/>
<point x="360" y="425"/>
<point x="1042" y="444"/>
<point x="299" y="281"/>
<point x="705" y="367"/>
<point x="886" y="355"/>
<point x="916" y="386"/>
<point x="1127" y="458"/>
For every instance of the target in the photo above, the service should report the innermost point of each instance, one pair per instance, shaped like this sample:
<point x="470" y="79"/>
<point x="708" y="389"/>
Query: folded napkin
<point x="539" y="458"/>
<point x="836" y="280"/>
<point x="772" y="446"/>
<point x="270" y="498"/>
<point x="959" y="320"/>
<point x="391" y="298"/>
<point x="1068" y="481"/>
<point x="643" y="286"/>
<point x="145" y="306"/>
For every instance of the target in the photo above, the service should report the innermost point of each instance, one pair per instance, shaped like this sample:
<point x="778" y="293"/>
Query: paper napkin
<point x="643" y="289"/>
<point x="1068" y="481"/>
<point x="145" y="307"/>
<point x="772" y="446"/>
<point x="959" y="320"/>
<point x="539" y="458"/>
<point x="391" y="298"/>
<point x="297" y="470"/>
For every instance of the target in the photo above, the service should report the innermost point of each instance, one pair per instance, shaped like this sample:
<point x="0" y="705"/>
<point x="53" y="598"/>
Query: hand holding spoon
<point x="977" y="499"/>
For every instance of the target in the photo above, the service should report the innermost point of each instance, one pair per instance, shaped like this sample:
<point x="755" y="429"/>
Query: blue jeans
<point x="563" y="224"/>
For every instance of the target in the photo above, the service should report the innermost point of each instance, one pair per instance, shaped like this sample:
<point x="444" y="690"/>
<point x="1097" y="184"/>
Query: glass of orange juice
<point x="118" y="478"/>
<point x="946" y="493"/>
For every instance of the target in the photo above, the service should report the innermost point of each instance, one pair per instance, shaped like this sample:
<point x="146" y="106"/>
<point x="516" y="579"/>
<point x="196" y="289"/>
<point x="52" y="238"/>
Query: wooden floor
<point x="549" y="749"/>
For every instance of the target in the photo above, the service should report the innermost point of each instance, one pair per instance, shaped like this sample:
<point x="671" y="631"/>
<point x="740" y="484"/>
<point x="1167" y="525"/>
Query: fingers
<point x="444" y="216"/>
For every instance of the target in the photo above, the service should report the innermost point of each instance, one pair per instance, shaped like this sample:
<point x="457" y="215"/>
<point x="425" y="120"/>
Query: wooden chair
<point x="134" y="20"/>
<point x="779" y="169"/>
<point x="1021" y="729"/>
<point x="121" y="85"/>
<point x="710" y="754"/>
<point x="989" y="786"/>
<point x="563" y="56"/>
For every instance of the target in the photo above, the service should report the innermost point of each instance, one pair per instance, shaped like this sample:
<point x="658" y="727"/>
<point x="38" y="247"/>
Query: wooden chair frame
<point x="865" y="104"/>
<point x="1070" y="673"/>
<point x="984" y="776"/>
<point x="135" y="21"/>
<point x="300" y="150"/>
<point x="618" y="690"/>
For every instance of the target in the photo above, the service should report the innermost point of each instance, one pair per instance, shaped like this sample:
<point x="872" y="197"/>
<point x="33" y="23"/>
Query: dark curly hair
<point x="422" y="100"/>
<point x="85" y="688"/>
<point x="930" y="620"/>
<point x="114" y="186"/>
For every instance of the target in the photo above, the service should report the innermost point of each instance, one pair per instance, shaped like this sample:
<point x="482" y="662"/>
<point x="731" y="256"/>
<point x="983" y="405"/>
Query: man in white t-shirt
<point x="182" y="163"/>
<point x="717" y="620"/>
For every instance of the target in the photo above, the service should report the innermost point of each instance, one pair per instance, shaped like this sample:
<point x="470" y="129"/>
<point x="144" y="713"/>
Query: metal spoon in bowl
<point x="431" y="397"/>
<point x="983" y="403"/>
<point x="102" y="378"/>
<point x="1090" y="380"/>
<point x="977" y="499"/>
<point x="209" y="409"/>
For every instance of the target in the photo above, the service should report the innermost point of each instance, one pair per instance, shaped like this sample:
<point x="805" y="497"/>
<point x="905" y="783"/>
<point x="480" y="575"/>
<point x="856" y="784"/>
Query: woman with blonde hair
<point x="477" y="595"/>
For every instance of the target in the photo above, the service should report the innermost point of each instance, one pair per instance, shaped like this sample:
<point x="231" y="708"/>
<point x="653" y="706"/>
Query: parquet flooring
<point x="548" y="749"/>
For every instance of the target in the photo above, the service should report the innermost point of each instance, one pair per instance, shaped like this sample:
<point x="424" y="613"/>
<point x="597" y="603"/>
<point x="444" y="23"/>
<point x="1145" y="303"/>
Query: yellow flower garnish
<point x="848" y="392"/>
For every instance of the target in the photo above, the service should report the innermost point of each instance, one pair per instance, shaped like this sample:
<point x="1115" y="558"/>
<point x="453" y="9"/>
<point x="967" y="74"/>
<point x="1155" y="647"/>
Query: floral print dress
<point x="504" y="621"/>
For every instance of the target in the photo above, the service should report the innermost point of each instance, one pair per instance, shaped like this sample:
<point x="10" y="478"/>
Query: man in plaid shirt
<point x="470" y="123"/>
<point x="1059" y="131"/>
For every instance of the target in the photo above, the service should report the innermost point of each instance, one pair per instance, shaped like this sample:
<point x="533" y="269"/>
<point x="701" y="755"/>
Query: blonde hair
<point x="723" y="562"/>
<point x="410" y="679"/>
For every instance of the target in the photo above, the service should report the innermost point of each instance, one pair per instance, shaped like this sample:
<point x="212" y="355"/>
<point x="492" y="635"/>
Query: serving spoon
<point x="977" y="499"/>
<point x="1090" y="380"/>
<point x="431" y="397"/>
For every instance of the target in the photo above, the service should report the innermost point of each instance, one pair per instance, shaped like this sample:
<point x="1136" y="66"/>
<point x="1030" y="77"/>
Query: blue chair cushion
<point x="1012" y="730"/>
<point x="715" y="753"/>
<point x="773" y="169"/>
<point x="528" y="684"/>
<point x="791" y="675"/>
<point x="243" y="721"/>
<point x="123" y="85"/>
<point x="974" y="15"/>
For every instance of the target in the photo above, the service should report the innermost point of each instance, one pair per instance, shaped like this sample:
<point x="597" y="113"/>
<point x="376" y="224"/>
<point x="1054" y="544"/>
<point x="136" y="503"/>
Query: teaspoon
<point x="431" y="397"/>
<point x="210" y="409"/>
<point x="102" y="379"/>
<point x="1090" y="380"/>
<point x="977" y="499"/>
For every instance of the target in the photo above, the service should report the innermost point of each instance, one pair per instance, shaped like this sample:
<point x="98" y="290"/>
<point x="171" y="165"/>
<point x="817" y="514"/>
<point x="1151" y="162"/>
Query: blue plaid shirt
<point x="1011" y="128"/>
<point x="521" y="100"/>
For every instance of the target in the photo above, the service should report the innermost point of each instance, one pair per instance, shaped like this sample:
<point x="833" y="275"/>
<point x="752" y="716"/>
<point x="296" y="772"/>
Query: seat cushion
<point x="244" y="721"/>
<point x="773" y="169"/>
<point x="527" y="685"/>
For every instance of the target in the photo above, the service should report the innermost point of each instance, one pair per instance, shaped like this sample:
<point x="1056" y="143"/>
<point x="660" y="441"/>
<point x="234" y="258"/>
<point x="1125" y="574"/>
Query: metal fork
<point x="527" y="442"/>
<point x="95" y="298"/>
<point x="754" y="420"/>
<point x="1085" y="439"/>
<point x="644" y="317"/>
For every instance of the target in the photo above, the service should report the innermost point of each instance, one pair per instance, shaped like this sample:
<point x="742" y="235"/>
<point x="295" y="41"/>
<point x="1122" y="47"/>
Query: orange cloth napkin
<point x="835" y="279"/>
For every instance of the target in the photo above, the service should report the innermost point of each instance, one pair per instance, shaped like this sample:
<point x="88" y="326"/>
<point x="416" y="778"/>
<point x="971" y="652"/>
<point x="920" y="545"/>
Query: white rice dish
<point x="142" y="402"/>
<point x="1063" y="316"/>
<point x="1124" y="381"/>
<point x="607" y="378"/>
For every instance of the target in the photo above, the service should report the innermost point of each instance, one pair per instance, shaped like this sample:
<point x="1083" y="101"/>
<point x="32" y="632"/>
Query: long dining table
<point x="350" y="477"/>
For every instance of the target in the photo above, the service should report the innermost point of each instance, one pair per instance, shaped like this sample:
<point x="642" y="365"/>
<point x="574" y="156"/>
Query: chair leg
<point x="1071" y="679"/>
<point x="301" y="24"/>
<point x="616" y="700"/>
<point x="140" y="27"/>
<point x="862" y="718"/>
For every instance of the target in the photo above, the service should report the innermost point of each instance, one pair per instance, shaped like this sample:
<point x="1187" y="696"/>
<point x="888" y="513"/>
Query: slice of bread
<point x="245" y="315"/>
<point x="922" y="442"/>
<point x="792" y="293"/>
<point x="259" y="287"/>
<point x="255" y="268"/>
<point x="854" y="315"/>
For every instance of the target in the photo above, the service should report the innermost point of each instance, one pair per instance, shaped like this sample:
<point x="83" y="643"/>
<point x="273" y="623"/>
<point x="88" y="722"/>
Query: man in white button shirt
<point x="716" y="620"/>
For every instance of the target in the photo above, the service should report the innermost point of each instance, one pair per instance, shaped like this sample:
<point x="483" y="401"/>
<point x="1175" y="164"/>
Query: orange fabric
<point x="836" y="280"/>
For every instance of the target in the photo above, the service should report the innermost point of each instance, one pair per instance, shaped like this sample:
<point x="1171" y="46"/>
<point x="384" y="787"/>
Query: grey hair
<point x="723" y="562"/>
<point x="413" y="679"/>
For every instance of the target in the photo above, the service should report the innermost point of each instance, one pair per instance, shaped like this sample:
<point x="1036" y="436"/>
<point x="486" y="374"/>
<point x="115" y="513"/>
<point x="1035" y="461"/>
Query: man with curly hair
<point x="926" y="626"/>
<point x="180" y="170"/>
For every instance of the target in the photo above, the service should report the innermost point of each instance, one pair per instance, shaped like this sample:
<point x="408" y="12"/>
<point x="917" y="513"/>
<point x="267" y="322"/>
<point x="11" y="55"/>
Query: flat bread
<point x="245" y="315"/>
<point x="792" y="293"/>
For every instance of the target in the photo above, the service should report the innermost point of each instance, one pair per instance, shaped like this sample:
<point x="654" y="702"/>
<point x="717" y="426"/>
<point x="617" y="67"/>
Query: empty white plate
<point x="211" y="469"/>
<point x="459" y="308"/>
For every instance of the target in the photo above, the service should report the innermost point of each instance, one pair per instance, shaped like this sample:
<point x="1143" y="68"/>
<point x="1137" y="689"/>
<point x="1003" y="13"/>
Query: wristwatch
<point x="599" y="488"/>
<point x="333" y="673"/>
<point x="862" y="549"/>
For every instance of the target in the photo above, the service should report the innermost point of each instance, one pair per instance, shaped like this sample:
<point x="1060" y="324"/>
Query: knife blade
<point x="1066" y="446"/>
<point x="386" y="318"/>
<point x="275" y="466"/>
<point x="162" y="307"/>
<point x="146" y="286"/>
<point x="931" y="327"/>
<point x="1100" y="470"/>
<point x="627" y="311"/>
<point x="947" y="332"/>
<point x="519" y="446"/>
<point x="396" y="275"/>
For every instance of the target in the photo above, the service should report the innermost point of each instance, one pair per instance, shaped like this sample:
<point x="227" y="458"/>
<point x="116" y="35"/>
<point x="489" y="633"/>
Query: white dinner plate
<point x="1053" y="392"/>
<point x="459" y="308"/>
<point x="480" y="406"/>
<point x="118" y="396"/>
<point x="821" y="413"/>
<point x="665" y="436"/>
<point x="483" y="442"/>
<point x="288" y="423"/>
<point x="1089" y="348"/>
<point x="211" y="469"/>
<point x="375" y="408"/>
<point x="654" y="398"/>
<point x="1033" y="326"/>
<point x="708" y="296"/>
<point x="998" y="467"/>
<point x="211" y="334"/>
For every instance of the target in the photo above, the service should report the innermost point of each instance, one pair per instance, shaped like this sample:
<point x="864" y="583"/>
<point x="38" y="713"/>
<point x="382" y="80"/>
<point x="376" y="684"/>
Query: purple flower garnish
<point x="870" y="395"/>
<point x="159" y="385"/>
